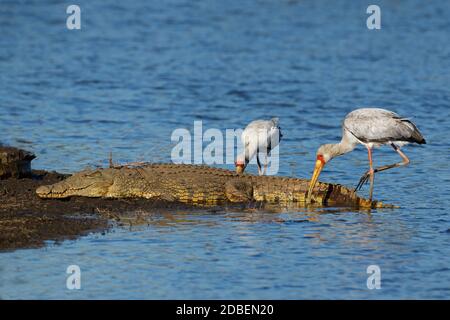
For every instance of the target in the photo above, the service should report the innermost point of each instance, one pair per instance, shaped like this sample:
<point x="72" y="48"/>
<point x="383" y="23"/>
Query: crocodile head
<point x="86" y="183"/>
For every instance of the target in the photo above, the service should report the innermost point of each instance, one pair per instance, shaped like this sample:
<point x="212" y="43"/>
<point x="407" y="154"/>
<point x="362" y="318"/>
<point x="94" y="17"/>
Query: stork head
<point x="327" y="152"/>
<point x="240" y="164"/>
<point x="324" y="154"/>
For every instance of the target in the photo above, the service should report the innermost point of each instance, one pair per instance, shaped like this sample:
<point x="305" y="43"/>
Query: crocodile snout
<point x="57" y="190"/>
<point x="43" y="191"/>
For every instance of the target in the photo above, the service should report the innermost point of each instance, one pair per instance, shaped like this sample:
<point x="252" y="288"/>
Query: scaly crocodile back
<point x="199" y="184"/>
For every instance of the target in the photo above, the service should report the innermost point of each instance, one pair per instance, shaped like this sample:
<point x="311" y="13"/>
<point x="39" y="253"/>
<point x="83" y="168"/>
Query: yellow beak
<point x="317" y="169"/>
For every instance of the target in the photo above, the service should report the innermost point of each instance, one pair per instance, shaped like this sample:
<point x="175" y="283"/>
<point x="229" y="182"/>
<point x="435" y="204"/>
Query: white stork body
<point x="371" y="127"/>
<point x="258" y="136"/>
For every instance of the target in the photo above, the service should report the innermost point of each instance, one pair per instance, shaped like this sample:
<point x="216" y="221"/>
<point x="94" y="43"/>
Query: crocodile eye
<point x="95" y="174"/>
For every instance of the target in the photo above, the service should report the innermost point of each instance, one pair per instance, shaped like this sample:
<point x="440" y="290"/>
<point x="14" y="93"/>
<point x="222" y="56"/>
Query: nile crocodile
<point x="197" y="184"/>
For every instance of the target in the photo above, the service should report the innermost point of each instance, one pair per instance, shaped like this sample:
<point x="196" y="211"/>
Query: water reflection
<point x="353" y="227"/>
<point x="125" y="89"/>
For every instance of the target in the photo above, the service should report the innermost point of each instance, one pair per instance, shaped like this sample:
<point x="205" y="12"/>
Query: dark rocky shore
<point x="27" y="221"/>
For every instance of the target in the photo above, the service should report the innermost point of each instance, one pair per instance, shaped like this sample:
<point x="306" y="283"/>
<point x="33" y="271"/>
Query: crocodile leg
<point x="239" y="191"/>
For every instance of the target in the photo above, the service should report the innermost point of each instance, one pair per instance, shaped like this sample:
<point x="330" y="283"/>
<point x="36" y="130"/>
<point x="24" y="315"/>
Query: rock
<point x="15" y="162"/>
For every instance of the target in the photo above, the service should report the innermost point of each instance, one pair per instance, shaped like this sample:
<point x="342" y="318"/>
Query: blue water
<point x="138" y="70"/>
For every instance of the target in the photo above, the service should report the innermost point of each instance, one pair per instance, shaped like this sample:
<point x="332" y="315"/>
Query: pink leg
<point x="371" y="172"/>
<point x="368" y="174"/>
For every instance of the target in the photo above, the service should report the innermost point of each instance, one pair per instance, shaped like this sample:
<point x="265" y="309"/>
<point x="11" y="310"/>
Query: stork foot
<point x="363" y="180"/>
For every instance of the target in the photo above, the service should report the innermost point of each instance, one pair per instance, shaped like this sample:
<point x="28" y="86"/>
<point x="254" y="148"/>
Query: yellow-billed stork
<point x="258" y="136"/>
<point x="371" y="127"/>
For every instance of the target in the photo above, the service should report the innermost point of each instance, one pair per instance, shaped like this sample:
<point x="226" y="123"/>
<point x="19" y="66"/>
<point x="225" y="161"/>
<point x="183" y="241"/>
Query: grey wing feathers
<point x="275" y="121"/>
<point x="415" y="133"/>
<point x="275" y="128"/>
<point x="269" y="130"/>
<point x="381" y="126"/>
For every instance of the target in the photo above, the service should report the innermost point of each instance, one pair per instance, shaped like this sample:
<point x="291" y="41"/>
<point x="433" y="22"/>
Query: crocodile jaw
<point x="85" y="184"/>
<point x="62" y="190"/>
<point x="47" y="192"/>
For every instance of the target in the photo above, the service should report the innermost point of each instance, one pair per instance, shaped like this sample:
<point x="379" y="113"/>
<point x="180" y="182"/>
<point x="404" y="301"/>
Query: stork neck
<point x="342" y="147"/>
